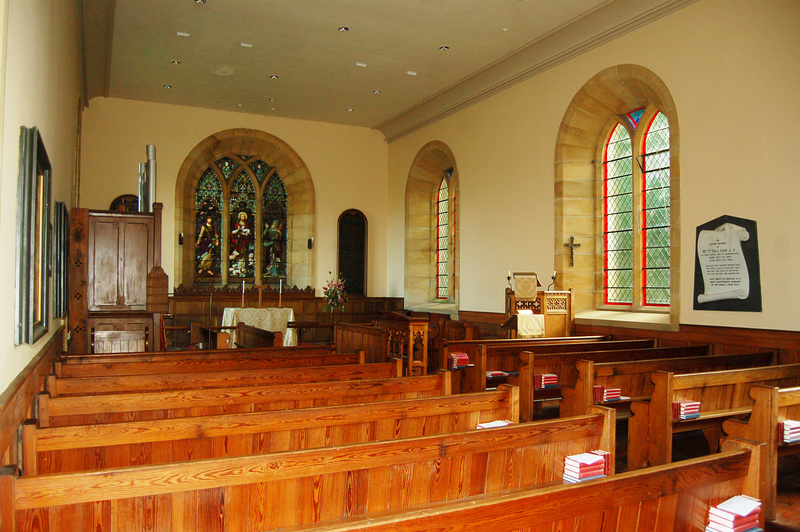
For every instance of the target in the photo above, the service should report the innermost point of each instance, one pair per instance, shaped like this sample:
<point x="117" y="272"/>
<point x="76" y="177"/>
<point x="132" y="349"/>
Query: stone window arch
<point x="262" y="167"/>
<point x="426" y="242"/>
<point x="596" y="109"/>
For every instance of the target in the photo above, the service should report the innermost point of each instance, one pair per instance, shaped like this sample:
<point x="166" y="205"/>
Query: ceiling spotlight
<point x="343" y="29"/>
<point x="273" y="100"/>
<point x="273" y="76"/>
<point x="349" y="109"/>
<point x="167" y="86"/>
<point x="444" y="48"/>
<point x="411" y="73"/>
<point x="199" y="1"/>
<point x="360" y="64"/>
<point x="176" y="62"/>
<point x="376" y="91"/>
<point x="181" y="34"/>
<point x="246" y="44"/>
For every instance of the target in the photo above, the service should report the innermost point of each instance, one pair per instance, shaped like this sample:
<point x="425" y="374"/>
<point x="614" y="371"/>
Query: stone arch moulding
<point x="578" y="162"/>
<point x="424" y="177"/>
<point x="301" y="222"/>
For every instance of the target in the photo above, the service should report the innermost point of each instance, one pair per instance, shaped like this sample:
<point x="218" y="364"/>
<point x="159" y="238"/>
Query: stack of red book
<point x="586" y="466"/>
<point x="458" y="361"/>
<point x="789" y="431"/>
<point x="495" y="373"/>
<point x="738" y="514"/>
<point x="545" y="380"/>
<point x="685" y="409"/>
<point x="606" y="393"/>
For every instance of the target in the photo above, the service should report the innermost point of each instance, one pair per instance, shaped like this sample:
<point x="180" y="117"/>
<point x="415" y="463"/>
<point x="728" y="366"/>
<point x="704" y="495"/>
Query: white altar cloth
<point x="270" y="319"/>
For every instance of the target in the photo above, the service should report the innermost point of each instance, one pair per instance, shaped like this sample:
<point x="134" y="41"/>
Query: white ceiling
<point x="131" y="45"/>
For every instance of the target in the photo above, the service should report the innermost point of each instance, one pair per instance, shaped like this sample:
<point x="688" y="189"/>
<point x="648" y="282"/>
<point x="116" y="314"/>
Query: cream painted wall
<point x="347" y="164"/>
<point x="42" y="87"/>
<point x="731" y="67"/>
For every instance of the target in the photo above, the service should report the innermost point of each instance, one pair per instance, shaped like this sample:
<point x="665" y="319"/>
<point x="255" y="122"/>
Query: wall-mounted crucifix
<point x="571" y="245"/>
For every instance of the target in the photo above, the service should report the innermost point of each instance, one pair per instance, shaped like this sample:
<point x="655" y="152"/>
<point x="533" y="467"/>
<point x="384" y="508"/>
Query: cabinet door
<point x="120" y="256"/>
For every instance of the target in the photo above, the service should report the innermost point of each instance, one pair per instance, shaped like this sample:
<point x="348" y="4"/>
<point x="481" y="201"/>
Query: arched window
<point x="443" y="238"/>
<point x="240" y="222"/>
<point x="431" y="259"/>
<point x="636" y="264"/>
<point x="617" y="173"/>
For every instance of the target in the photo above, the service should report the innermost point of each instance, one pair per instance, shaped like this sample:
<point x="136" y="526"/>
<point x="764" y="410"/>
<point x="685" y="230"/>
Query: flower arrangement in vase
<point x="334" y="293"/>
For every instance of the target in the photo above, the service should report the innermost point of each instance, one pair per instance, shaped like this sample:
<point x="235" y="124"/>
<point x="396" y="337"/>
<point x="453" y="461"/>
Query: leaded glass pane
<point x="442" y="240"/>
<point x="208" y="222"/>
<point x="618" y="218"/>
<point x="656" y="213"/>
<point x="261" y="170"/>
<point x="227" y="166"/>
<point x="241" y="246"/>
<point x="274" y="236"/>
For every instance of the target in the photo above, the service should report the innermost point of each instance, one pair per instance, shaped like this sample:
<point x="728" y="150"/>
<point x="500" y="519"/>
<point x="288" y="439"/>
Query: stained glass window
<point x="443" y="239"/>
<point x="228" y="242"/>
<point x="208" y="218"/>
<point x="655" y="213"/>
<point x="241" y="248"/>
<point x="274" y="235"/>
<point x="227" y="166"/>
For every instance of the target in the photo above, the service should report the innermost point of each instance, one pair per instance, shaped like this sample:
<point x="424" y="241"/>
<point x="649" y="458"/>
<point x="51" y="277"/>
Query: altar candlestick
<point x="280" y="293"/>
<point x="242" y="294"/>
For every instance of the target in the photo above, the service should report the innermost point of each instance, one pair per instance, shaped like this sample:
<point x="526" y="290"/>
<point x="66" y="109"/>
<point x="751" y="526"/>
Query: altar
<point x="270" y="319"/>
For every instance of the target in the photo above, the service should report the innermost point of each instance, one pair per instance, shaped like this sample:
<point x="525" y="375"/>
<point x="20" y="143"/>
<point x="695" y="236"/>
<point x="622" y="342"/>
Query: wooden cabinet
<point x="120" y="257"/>
<point x="111" y="255"/>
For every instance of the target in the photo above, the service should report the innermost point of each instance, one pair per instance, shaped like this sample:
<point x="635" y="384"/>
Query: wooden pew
<point x="362" y="337"/>
<point x="674" y="497"/>
<point x="263" y="492"/>
<point x="723" y="395"/>
<point x="771" y="405"/>
<point x="189" y="364"/>
<point x="505" y="356"/>
<point x="632" y="377"/>
<point x="527" y="364"/>
<point x="214" y="337"/>
<point x="474" y="347"/>
<point x="218" y="379"/>
<point x="204" y="354"/>
<point x="113" y="408"/>
<point x="102" y="446"/>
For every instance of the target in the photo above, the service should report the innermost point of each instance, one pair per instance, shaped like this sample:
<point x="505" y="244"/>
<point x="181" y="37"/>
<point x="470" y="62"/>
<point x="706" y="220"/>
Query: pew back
<point x="263" y="492"/>
<point x="220" y="379"/>
<point x="771" y="405"/>
<point x="633" y="376"/>
<point x="675" y="497"/>
<point x="113" y="408"/>
<point x="722" y="395"/>
<point x="102" y="446"/>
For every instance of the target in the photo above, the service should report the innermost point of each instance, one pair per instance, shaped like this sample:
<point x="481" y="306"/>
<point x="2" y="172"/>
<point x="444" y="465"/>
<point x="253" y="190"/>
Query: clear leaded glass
<point x="656" y="213"/>
<point x="618" y="218"/>
<point x="442" y="240"/>
<point x="274" y="237"/>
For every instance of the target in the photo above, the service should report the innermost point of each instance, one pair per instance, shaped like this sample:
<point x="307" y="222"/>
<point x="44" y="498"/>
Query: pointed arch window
<point x="241" y="211"/>
<point x="443" y="240"/>
<point x="636" y="212"/>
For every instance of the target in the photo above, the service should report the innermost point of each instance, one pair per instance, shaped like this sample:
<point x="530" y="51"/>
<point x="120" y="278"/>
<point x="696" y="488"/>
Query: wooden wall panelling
<point x="78" y="274"/>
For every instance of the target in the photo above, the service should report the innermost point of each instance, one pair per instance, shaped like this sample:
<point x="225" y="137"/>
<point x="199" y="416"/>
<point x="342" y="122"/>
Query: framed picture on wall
<point x="60" y="258"/>
<point x="33" y="264"/>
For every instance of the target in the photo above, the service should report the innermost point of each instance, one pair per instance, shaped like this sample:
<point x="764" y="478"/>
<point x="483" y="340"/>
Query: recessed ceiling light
<point x="246" y="44"/>
<point x="273" y="100"/>
<point x="349" y="109"/>
<point x="167" y="86"/>
<point x="176" y="62"/>
<point x="199" y="1"/>
<point x="359" y="63"/>
<point x="411" y="73"/>
<point x="376" y="91"/>
<point x="182" y="34"/>
<point x="273" y="76"/>
<point x="444" y="48"/>
<point x="343" y="29"/>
